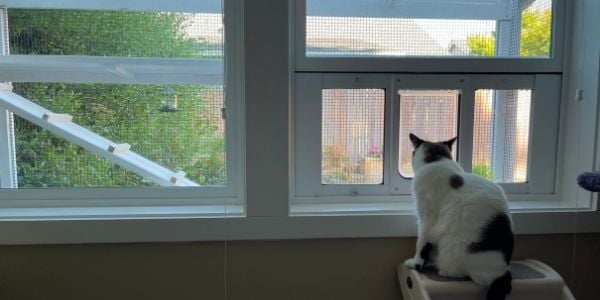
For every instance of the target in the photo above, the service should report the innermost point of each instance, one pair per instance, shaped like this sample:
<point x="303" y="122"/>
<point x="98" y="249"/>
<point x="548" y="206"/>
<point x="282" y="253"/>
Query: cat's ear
<point x="415" y="140"/>
<point x="450" y="142"/>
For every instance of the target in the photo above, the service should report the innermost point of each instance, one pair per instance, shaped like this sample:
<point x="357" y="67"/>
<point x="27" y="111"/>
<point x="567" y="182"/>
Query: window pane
<point x="501" y="134"/>
<point x="352" y="136"/>
<point x="430" y="114"/>
<point x="176" y="126"/>
<point x="376" y="28"/>
<point x="115" y="33"/>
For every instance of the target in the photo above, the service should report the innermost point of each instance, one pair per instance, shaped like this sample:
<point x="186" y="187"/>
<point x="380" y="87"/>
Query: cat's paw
<point x="414" y="263"/>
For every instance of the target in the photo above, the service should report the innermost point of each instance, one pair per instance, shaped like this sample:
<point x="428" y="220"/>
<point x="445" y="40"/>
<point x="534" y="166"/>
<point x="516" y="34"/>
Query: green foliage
<point x="103" y="33"/>
<point x="482" y="45"/>
<point x="173" y="125"/>
<point x="336" y="165"/>
<point x="484" y="171"/>
<point x="535" y="36"/>
<point x="535" y="33"/>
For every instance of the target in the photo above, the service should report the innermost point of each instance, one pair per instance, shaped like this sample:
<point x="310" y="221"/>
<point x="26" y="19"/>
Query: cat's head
<point x="425" y="152"/>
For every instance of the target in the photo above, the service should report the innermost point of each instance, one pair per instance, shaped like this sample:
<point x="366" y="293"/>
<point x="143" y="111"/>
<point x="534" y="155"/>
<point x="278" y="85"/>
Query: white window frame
<point x="200" y="201"/>
<point x="541" y="75"/>
<point x="271" y="212"/>
<point x="308" y="154"/>
<point x="542" y="167"/>
<point x="421" y="63"/>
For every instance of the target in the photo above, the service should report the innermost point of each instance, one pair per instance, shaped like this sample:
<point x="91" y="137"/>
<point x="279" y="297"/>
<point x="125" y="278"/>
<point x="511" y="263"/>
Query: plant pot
<point x="372" y="169"/>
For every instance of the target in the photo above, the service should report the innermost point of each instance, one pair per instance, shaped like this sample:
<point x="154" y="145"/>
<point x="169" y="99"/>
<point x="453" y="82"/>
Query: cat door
<point x="352" y="136"/>
<point x="430" y="114"/>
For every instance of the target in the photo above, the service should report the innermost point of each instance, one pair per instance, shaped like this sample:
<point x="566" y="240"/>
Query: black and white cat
<point x="465" y="227"/>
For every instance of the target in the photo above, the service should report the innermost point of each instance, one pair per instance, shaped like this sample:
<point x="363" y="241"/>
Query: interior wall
<point x="290" y="269"/>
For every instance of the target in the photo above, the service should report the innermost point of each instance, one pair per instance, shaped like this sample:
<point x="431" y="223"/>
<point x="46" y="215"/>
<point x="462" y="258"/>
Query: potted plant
<point x="371" y="166"/>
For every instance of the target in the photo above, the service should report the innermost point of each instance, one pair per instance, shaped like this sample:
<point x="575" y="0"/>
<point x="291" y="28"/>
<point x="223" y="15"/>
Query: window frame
<point x="311" y="105"/>
<point x="542" y="149"/>
<point x="271" y="212"/>
<point x="91" y="69"/>
<point x="427" y="63"/>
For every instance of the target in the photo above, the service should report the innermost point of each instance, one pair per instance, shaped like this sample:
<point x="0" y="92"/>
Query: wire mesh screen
<point x="501" y="134"/>
<point x="177" y="126"/>
<point x="536" y="28"/>
<point x="352" y="136"/>
<point x="351" y="31"/>
<point x="353" y="36"/>
<point x="115" y="33"/>
<point x="430" y="114"/>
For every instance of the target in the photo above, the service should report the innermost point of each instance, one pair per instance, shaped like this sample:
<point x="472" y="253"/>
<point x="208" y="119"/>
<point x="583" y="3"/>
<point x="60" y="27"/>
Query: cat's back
<point x="475" y="190"/>
<point x="445" y="183"/>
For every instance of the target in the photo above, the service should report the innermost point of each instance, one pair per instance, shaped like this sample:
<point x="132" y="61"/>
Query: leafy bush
<point x="336" y="165"/>
<point x="484" y="171"/>
<point x="535" y="36"/>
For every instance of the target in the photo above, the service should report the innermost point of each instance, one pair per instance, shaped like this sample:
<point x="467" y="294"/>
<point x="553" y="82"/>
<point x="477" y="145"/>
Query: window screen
<point x="176" y="126"/>
<point x="501" y="134"/>
<point x="430" y="114"/>
<point x="352" y="136"/>
<point x="379" y="28"/>
<point x="115" y="33"/>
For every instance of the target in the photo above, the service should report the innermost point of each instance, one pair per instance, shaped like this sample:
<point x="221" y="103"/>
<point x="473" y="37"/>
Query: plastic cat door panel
<point x="531" y="280"/>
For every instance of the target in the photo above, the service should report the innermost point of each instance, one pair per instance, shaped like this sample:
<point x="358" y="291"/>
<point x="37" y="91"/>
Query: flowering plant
<point x="375" y="151"/>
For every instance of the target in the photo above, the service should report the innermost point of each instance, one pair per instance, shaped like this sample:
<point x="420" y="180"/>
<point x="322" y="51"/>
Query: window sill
<point x="213" y="223"/>
<point x="121" y="213"/>
<point x="404" y="204"/>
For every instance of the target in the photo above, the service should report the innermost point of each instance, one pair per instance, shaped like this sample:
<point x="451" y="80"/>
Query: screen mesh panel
<point x="177" y="126"/>
<point x="535" y="28"/>
<point x="519" y="28"/>
<point x="353" y="36"/>
<point x="501" y="134"/>
<point x="115" y="33"/>
<point x="430" y="114"/>
<point x="352" y="136"/>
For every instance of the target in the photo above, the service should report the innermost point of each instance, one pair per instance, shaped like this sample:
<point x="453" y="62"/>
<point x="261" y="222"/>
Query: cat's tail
<point x="500" y="287"/>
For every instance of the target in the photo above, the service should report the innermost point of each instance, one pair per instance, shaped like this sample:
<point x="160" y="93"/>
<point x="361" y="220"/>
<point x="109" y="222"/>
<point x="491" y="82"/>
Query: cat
<point x="465" y="227"/>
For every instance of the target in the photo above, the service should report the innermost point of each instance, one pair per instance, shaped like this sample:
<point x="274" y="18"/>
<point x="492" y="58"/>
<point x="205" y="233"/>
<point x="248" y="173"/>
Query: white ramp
<point x="61" y="125"/>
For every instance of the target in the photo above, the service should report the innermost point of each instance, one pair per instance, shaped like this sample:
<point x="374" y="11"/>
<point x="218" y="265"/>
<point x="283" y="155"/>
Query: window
<point x="413" y="28"/>
<point x="442" y="69"/>
<point x="381" y="35"/>
<point x="491" y="115"/>
<point x="368" y="76"/>
<point x="111" y="95"/>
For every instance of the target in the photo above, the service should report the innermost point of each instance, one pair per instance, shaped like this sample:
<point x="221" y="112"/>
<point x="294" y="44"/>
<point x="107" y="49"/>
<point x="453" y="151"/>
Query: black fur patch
<point x="496" y="236"/>
<point x="500" y="287"/>
<point x="435" y="152"/>
<point x="426" y="252"/>
<point x="456" y="181"/>
<point x="425" y="255"/>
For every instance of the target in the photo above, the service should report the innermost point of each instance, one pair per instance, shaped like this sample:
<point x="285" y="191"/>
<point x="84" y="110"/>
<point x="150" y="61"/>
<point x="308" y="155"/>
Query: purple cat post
<point x="589" y="181"/>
